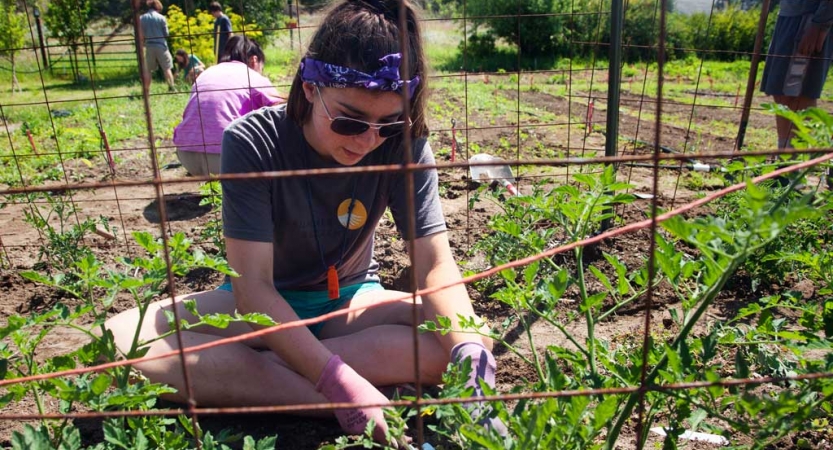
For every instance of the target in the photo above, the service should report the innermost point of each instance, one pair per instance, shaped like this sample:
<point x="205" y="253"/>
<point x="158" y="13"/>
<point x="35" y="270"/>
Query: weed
<point x="55" y="217"/>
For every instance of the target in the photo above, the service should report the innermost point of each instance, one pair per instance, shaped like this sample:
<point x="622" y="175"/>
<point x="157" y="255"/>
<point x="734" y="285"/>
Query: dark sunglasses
<point x="346" y="126"/>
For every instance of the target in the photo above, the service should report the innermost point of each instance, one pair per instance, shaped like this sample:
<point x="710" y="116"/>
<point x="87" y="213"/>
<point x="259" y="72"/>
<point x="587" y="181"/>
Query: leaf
<point x="217" y="320"/>
<point x="31" y="439"/>
<point x="36" y="277"/>
<point x="592" y="302"/>
<point x="674" y="361"/>
<point x="70" y="438"/>
<point x="14" y="323"/>
<point x="145" y="240"/>
<point x="558" y="284"/>
<point x="115" y="434"/>
<point x="827" y="318"/>
<point x="257" y="319"/>
<point x="530" y="272"/>
<point x="696" y="417"/>
<point x="267" y="443"/>
<point x="602" y="279"/>
<point x="100" y="384"/>
<point x="509" y="275"/>
<point x="605" y="411"/>
<point x="741" y="366"/>
<point x="191" y="306"/>
<point x="141" y="442"/>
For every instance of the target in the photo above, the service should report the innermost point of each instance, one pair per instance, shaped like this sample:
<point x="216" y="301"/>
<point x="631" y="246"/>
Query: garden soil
<point x="136" y="208"/>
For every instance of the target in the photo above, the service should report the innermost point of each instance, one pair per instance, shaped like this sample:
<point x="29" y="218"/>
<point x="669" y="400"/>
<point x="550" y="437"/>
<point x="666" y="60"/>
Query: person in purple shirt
<point x="221" y="94"/>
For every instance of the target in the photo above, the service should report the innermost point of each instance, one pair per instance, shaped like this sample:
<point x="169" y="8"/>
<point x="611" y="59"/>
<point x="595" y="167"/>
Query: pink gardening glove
<point x="341" y="384"/>
<point x="483" y="367"/>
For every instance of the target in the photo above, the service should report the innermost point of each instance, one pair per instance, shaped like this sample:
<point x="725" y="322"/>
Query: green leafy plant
<point x="714" y="250"/>
<point x="56" y="218"/>
<point x="143" y="279"/>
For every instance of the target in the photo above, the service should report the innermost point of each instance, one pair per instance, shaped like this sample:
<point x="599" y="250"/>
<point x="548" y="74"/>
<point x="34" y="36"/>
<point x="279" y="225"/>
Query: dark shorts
<point x="778" y="59"/>
<point x="309" y="304"/>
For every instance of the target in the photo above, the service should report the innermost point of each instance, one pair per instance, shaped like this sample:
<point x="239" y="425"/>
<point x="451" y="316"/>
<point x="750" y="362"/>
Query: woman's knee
<point x="124" y="326"/>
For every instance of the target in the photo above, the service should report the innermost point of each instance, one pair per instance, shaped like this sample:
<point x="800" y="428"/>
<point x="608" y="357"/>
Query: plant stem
<point x="619" y="305"/>
<point x="565" y="333"/>
<point x="588" y="314"/>
<point x="708" y="297"/>
<point x="537" y="361"/>
<point x="134" y="344"/>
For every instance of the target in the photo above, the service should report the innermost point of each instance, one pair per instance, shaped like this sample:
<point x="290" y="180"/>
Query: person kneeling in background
<point x="189" y="65"/>
<point x="220" y="95"/>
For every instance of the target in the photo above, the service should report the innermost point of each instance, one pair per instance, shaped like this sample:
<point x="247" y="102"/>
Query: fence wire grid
<point x="88" y="160"/>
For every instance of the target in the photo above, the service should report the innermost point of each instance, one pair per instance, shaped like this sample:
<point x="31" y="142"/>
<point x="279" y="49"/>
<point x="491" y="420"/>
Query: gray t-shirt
<point x="277" y="210"/>
<point x="822" y="10"/>
<point x="154" y="29"/>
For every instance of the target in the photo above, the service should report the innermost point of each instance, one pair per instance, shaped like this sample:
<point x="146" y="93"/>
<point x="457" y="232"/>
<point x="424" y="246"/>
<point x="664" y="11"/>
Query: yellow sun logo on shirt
<point x="357" y="218"/>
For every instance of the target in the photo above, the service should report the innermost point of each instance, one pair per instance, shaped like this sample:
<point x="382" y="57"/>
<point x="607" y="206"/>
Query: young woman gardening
<point x="304" y="246"/>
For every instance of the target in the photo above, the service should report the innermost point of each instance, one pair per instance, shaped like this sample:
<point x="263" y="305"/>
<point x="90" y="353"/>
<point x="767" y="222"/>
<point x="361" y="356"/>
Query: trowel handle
<point x="509" y="187"/>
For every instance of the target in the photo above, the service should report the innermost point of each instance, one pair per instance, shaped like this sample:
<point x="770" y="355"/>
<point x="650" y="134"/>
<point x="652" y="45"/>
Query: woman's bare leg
<point x="378" y="342"/>
<point x="784" y="126"/>
<point x="230" y="375"/>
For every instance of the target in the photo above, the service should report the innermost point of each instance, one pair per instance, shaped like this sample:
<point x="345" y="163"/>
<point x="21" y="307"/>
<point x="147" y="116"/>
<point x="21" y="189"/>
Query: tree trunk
<point x="15" y="83"/>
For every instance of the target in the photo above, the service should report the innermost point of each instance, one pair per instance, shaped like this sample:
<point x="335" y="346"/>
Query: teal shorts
<point x="309" y="304"/>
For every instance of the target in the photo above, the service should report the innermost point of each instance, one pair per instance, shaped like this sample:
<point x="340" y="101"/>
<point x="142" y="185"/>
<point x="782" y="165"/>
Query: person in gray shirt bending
<point x="155" y="35"/>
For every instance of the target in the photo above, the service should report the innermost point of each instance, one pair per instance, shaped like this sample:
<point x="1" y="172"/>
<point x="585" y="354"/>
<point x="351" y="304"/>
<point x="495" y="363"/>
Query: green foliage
<point x="67" y="20"/>
<point x="715" y="248"/>
<point x="266" y="14"/>
<point x="13" y="26"/>
<point x="195" y="33"/>
<point x="445" y="9"/>
<point x="798" y="252"/>
<point x="730" y="34"/>
<point x="580" y="28"/>
<point x="536" y="27"/>
<point x="56" y="219"/>
<point x="143" y="279"/>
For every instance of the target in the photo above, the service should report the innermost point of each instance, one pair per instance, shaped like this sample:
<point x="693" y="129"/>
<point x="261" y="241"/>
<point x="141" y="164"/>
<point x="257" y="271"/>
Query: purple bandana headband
<point x="386" y="78"/>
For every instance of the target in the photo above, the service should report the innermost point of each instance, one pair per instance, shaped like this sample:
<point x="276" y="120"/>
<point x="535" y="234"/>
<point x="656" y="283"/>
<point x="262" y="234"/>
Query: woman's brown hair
<point x="356" y="34"/>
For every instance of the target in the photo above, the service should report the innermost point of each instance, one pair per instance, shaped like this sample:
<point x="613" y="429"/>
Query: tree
<point x="538" y="27"/>
<point x="67" y="21"/>
<point x="12" y="35"/>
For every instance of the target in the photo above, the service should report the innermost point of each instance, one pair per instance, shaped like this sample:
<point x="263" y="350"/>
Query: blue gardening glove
<point x="483" y="367"/>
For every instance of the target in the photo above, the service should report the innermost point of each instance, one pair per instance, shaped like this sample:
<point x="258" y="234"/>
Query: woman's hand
<point x="483" y="367"/>
<point x="813" y="40"/>
<point x="339" y="383"/>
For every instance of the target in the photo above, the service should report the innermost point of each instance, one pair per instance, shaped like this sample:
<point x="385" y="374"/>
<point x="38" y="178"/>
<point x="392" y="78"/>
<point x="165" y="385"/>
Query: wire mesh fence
<point x="662" y="275"/>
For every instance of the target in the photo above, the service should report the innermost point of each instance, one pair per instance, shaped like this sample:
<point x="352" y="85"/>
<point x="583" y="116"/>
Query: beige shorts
<point x="199" y="163"/>
<point x="158" y="57"/>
